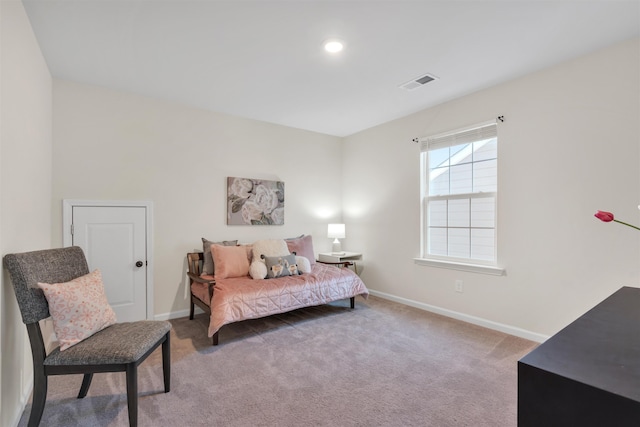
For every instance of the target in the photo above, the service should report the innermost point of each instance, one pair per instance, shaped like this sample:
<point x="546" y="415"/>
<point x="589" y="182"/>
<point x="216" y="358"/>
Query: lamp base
<point x="336" y="248"/>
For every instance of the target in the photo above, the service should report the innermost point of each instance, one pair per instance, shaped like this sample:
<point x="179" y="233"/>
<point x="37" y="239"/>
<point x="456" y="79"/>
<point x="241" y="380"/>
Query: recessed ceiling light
<point x="333" y="45"/>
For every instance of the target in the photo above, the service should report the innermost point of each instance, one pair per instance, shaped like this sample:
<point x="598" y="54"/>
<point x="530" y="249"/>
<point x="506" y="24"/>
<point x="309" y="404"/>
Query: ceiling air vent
<point x="418" y="82"/>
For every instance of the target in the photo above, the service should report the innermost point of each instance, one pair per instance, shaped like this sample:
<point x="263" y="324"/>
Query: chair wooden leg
<point x="353" y="302"/>
<point x="84" y="388"/>
<point x="39" y="397"/>
<point x="191" y="310"/>
<point x="166" y="362"/>
<point x="132" y="394"/>
<point x="214" y="339"/>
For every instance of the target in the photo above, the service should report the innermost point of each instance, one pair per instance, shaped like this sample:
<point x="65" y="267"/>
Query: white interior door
<point x="114" y="240"/>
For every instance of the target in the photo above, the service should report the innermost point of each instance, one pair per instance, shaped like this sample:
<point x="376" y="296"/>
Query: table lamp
<point x="336" y="231"/>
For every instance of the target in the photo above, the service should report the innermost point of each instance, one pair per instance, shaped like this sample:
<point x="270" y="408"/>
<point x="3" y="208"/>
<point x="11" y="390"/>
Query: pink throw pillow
<point x="230" y="261"/>
<point x="79" y="308"/>
<point x="302" y="246"/>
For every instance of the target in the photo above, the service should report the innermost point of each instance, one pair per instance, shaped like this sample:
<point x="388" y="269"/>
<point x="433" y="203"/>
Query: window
<point x="459" y="172"/>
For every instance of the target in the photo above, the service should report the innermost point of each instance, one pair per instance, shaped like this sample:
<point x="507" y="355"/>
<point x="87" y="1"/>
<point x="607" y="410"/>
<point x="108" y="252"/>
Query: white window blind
<point x="459" y="194"/>
<point x="486" y="131"/>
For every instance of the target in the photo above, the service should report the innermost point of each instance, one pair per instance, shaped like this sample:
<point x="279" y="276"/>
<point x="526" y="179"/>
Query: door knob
<point x="139" y="264"/>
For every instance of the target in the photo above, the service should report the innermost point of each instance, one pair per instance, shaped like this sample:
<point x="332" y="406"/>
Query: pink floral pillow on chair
<point x="79" y="308"/>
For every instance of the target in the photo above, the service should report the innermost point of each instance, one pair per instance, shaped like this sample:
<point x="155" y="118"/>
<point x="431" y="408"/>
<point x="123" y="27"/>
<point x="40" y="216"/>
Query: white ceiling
<point x="264" y="59"/>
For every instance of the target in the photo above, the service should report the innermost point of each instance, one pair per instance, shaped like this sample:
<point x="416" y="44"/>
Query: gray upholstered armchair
<point x="118" y="348"/>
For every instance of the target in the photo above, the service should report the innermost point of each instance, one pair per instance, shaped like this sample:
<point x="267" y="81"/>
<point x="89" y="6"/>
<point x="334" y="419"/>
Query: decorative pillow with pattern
<point x="79" y="308"/>
<point x="279" y="266"/>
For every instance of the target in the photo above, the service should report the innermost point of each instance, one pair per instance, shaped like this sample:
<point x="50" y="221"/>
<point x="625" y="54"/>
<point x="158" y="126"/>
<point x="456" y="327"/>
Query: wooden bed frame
<point x="194" y="266"/>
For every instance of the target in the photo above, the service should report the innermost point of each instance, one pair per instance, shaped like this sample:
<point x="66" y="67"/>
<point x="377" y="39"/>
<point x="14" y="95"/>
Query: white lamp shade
<point x="336" y="231"/>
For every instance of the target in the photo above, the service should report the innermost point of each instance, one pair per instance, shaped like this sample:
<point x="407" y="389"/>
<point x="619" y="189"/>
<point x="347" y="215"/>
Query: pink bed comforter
<point x="243" y="298"/>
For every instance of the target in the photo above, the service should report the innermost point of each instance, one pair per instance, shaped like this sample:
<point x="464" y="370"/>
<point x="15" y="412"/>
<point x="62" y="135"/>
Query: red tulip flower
<point x="604" y="216"/>
<point x="608" y="217"/>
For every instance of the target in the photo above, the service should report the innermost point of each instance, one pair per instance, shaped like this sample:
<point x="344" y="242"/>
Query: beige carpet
<point x="382" y="364"/>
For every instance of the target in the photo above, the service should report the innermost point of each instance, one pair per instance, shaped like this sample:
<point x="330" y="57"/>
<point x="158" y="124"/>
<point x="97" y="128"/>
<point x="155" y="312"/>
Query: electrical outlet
<point x="459" y="286"/>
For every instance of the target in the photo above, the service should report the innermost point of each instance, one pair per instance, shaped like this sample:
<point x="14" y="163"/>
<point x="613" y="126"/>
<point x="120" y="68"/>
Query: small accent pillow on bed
<point x="208" y="264"/>
<point x="279" y="266"/>
<point x="79" y="308"/>
<point x="230" y="261"/>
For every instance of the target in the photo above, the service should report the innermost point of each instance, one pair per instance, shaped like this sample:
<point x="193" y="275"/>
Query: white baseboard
<point x="177" y="314"/>
<point x="507" y="329"/>
<point x="24" y="400"/>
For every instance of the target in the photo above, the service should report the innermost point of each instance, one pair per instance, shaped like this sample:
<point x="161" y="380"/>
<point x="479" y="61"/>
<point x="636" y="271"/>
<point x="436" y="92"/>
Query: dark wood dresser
<point x="588" y="374"/>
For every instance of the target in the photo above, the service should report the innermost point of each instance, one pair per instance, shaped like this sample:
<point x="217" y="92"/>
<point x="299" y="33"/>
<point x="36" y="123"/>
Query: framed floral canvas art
<point x="254" y="201"/>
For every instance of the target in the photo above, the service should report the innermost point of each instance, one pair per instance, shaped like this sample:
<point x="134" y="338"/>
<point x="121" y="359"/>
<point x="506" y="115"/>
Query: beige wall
<point x="118" y="146"/>
<point x="569" y="146"/>
<point x="25" y="179"/>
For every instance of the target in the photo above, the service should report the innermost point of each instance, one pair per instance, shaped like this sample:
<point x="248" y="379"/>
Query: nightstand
<point x="344" y="258"/>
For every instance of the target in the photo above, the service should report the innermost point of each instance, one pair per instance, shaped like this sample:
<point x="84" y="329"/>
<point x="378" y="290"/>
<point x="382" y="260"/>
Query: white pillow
<point x="269" y="247"/>
<point x="258" y="270"/>
<point x="304" y="266"/>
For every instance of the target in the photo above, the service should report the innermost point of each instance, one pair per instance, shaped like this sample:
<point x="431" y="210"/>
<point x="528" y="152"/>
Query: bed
<point x="234" y="299"/>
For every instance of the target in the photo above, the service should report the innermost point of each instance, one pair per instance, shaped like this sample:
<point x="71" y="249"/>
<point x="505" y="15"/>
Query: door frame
<point x="67" y="237"/>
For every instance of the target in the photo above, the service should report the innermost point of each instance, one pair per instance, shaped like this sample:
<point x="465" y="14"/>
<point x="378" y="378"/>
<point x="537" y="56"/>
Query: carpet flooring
<point x="381" y="364"/>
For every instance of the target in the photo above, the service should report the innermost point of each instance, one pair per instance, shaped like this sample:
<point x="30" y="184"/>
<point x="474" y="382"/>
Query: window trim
<point x="450" y="138"/>
<point x="493" y="270"/>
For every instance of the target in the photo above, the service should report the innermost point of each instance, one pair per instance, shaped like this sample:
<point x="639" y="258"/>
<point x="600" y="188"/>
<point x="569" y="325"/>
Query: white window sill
<point x="473" y="268"/>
